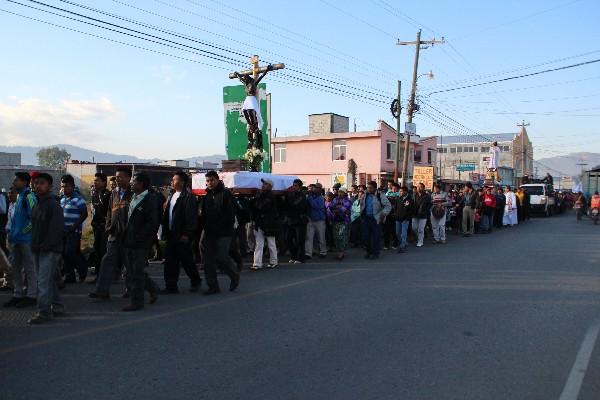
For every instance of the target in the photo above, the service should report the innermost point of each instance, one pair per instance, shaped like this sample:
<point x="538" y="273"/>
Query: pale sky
<point x="62" y="86"/>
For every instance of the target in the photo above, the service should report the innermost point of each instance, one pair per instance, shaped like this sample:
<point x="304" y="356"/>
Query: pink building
<point x="324" y="154"/>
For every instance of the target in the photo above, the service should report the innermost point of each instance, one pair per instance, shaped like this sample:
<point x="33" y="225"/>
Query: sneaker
<point x="12" y="302"/>
<point x="292" y="261"/>
<point x="256" y="267"/>
<point x="419" y="244"/>
<point x="39" y="319"/>
<point x="434" y="242"/>
<point x="272" y="266"/>
<point x="26" y="302"/>
<point x="386" y="248"/>
<point x="443" y="242"/>
<point x="298" y="262"/>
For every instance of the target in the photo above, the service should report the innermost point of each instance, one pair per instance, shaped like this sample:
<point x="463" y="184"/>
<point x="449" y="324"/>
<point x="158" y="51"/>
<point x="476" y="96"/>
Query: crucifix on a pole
<point x="251" y="108"/>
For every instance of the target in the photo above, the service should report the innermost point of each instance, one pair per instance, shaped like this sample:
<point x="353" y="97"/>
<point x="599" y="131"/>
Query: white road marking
<point x="575" y="380"/>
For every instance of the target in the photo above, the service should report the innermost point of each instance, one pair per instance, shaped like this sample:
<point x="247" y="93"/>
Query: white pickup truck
<point x="541" y="198"/>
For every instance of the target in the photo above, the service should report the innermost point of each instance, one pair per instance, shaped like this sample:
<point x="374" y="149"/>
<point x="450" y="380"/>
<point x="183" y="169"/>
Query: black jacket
<point x="265" y="212"/>
<point x="48" y="224"/>
<point x="422" y="206"/>
<point x="100" y="207"/>
<point x="142" y="224"/>
<point x="185" y="217"/>
<point x="472" y="201"/>
<point x="296" y="208"/>
<point x="403" y="209"/>
<point x="116" y="219"/>
<point x="217" y="214"/>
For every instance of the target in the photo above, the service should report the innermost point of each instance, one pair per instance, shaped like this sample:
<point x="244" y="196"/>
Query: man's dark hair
<point x="404" y="188"/>
<point x="354" y="186"/>
<point x="212" y="174"/>
<point x="124" y="170"/>
<point x="45" y="176"/>
<point x="469" y="185"/>
<point x="101" y="176"/>
<point x="142" y="178"/>
<point x="183" y="176"/>
<point x="23" y="176"/>
<point x="396" y="185"/>
<point x="298" y="182"/>
<point x="68" y="180"/>
<point x="372" y="183"/>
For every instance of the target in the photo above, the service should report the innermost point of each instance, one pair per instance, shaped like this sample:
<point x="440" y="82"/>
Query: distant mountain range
<point x="28" y="155"/>
<point x="566" y="165"/>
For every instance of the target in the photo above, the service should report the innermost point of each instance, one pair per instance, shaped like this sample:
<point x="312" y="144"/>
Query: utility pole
<point x="397" y="163"/>
<point x="523" y="150"/>
<point x="411" y="105"/>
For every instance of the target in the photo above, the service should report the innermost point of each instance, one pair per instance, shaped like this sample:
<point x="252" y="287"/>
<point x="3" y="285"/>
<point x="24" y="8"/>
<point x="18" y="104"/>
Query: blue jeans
<point x="486" y="222"/>
<point x="371" y="235"/>
<point x="46" y="268"/>
<point x="402" y="233"/>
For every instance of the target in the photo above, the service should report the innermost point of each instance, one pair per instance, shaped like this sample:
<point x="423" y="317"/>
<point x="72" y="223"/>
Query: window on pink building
<point x="390" y="151"/>
<point x="339" y="150"/>
<point x="280" y="153"/>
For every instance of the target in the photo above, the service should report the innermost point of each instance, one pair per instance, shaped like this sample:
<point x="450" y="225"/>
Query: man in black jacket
<point x="47" y="245"/>
<point x="142" y="224"/>
<point x="297" y="218"/>
<point x="266" y="224"/>
<point x="100" y="203"/>
<point x="179" y="222"/>
<point x="116" y="226"/>
<point x="403" y="213"/>
<point x="421" y="211"/>
<point x="217" y="218"/>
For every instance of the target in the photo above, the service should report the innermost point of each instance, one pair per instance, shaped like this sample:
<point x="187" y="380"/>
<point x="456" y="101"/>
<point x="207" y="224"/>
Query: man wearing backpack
<point x="19" y="237"/>
<point x="374" y="207"/>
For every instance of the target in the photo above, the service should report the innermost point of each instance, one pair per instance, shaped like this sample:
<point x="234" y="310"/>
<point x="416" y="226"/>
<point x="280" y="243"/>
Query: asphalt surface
<point x="500" y="316"/>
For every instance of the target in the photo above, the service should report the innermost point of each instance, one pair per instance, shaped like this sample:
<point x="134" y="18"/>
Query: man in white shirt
<point x="493" y="161"/>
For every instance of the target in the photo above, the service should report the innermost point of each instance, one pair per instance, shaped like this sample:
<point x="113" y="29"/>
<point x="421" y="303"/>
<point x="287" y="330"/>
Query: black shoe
<point x="126" y="294"/>
<point x="235" y="282"/>
<point x="26" y="302"/>
<point x="322" y="256"/>
<point x="132" y="307"/>
<point x="211" y="291"/>
<point x="99" y="295"/>
<point x="82" y="278"/>
<point x="12" y="302"/>
<point x="39" y="319"/>
<point x="168" y="291"/>
<point x="153" y="297"/>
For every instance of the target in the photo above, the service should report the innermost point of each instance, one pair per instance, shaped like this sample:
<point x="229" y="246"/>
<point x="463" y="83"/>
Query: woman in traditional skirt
<point x="339" y="215"/>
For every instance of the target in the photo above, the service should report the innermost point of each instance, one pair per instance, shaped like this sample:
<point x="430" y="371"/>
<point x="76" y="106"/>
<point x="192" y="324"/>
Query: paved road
<point x="501" y="316"/>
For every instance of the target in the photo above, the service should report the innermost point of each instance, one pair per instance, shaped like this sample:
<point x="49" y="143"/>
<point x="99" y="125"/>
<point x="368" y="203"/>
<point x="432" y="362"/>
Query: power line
<point x="187" y="37"/>
<point x="176" y="46"/>
<point x="518" y="76"/>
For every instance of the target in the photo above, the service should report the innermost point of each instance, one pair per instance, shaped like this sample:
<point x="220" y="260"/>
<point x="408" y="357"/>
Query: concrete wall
<point x="319" y="124"/>
<point x="10" y="159"/>
<point x="7" y="175"/>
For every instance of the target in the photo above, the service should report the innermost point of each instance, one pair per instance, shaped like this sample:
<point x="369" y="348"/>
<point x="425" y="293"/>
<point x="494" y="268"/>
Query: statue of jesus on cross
<point x="251" y="107"/>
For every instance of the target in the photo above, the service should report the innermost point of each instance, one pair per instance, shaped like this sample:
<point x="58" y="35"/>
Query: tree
<point x="53" y="157"/>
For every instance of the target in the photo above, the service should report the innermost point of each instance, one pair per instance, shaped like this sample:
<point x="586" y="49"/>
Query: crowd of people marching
<point x="41" y="232"/>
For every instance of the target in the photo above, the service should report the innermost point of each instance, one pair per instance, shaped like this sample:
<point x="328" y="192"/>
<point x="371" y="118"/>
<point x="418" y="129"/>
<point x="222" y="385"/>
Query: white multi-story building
<point x="462" y="157"/>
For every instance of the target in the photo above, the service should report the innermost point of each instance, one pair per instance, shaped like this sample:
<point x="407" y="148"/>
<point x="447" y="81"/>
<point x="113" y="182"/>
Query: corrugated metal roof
<point x="466" y="139"/>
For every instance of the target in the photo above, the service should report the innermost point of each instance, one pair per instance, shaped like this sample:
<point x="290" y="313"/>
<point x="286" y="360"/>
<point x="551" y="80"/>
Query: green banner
<point x="236" y="136"/>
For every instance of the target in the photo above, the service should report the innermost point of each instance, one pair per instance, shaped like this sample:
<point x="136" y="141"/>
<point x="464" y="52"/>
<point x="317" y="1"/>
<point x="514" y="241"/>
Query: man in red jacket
<point x="488" y="206"/>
